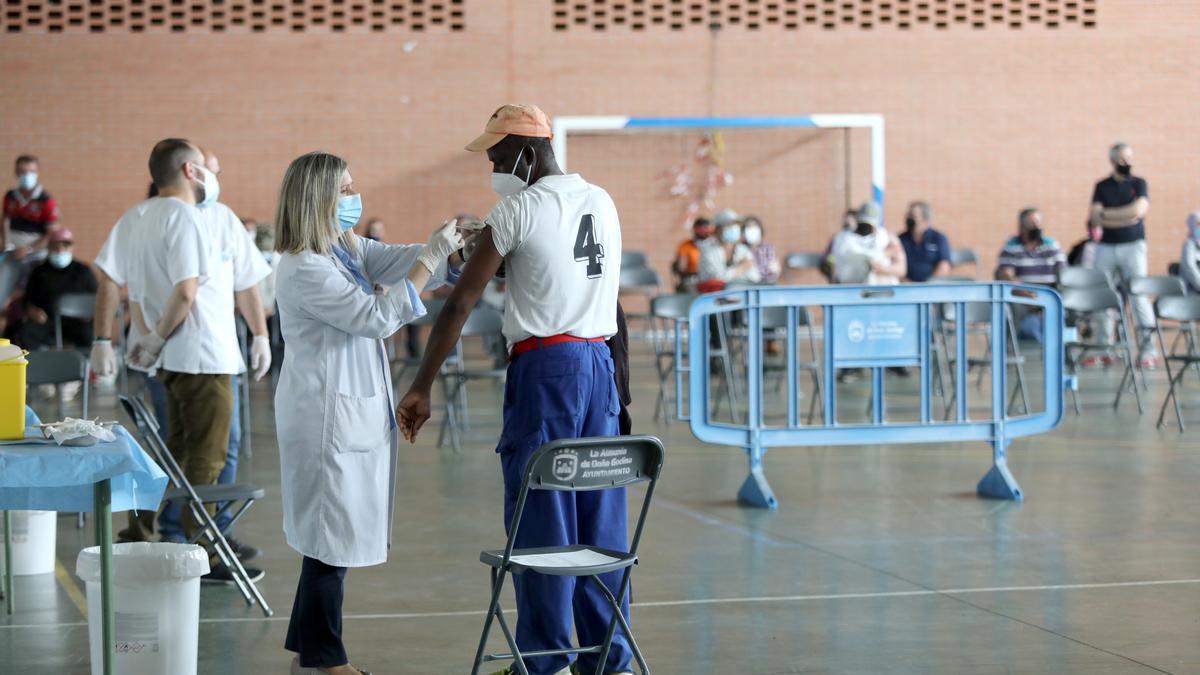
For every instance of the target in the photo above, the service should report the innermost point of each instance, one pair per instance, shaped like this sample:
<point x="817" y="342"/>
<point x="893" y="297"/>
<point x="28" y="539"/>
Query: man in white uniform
<point x="560" y="241"/>
<point x="181" y="291"/>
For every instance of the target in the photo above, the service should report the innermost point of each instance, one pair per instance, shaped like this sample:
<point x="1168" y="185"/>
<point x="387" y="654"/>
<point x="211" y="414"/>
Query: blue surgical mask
<point x="349" y="210"/>
<point x="28" y="181"/>
<point x="60" y="259"/>
<point x="731" y="234"/>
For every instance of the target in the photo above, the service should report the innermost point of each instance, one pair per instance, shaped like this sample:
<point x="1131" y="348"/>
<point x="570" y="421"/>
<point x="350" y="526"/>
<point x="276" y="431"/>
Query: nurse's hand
<point x="413" y="412"/>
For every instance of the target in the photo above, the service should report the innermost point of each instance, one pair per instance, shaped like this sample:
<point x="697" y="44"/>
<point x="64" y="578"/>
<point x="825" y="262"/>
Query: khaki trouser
<point x="1123" y="262"/>
<point x="199" y="414"/>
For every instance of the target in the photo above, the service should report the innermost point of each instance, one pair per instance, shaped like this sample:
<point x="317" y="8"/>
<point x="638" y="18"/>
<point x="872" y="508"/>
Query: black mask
<point x="1033" y="235"/>
<point x="1124" y="169"/>
<point x="910" y="223"/>
<point x="864" y="229"/>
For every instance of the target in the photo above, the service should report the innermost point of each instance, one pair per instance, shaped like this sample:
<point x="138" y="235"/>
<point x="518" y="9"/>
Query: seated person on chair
<point x="1031" y="257"/>
<point x="58" y="275"/>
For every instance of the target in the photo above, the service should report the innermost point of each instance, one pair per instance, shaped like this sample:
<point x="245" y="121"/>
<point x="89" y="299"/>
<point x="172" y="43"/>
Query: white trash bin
<point x="156" y="601"/>
<point x="33" y="537"/>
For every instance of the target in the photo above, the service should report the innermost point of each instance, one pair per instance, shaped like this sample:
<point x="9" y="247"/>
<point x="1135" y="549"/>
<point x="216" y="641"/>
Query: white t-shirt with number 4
<point x="561" y="242"/>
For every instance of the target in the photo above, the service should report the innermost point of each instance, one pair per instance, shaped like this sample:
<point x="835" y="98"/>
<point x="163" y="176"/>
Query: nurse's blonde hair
<point x="306" y="219"/>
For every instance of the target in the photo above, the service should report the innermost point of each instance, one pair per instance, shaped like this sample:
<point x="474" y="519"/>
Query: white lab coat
<point x="333" y="406"/>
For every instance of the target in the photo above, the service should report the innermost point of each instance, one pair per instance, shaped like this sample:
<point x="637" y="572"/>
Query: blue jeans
<point x="563" y="391"/>
<point x="169" y="526"/>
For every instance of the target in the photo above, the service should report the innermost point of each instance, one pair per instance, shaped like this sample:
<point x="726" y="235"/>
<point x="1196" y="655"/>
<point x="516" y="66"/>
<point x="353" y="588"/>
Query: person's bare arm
<point x="249" y="305"/>
<point x="108" y="294"/>
<point x="180" y="302"/>
<point x="139" y="319"/>
<point x="1006" y="273"/>
<point x="942" y="268"/>
<point x="897" y="264"/>
<point x="1096" y="214"/>
<point x="413" y="410"/>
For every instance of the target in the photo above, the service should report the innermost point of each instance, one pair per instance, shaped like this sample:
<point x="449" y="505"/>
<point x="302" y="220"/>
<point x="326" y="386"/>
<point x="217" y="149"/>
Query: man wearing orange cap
<point x="58" y="275"/>
<point x="559" y="239"/>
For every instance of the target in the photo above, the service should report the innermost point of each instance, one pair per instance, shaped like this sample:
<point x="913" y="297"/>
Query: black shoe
<point x="242" y="550"/>
<point x="221" y="574"/>
<point x="899" y="371"/>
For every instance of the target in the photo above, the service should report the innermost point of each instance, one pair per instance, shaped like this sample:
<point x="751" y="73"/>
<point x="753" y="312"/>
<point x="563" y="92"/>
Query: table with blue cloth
<point x="41" y="475"/>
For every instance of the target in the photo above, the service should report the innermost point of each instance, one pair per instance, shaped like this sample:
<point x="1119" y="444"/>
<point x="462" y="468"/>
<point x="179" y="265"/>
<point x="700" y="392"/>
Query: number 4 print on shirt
<point x="586" y="247"/>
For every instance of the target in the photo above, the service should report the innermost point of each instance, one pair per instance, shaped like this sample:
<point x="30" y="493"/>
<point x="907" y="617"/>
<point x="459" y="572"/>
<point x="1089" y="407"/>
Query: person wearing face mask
<point x="559" y="238"/>
<point x="339" y="295"/>
<point x="686" y="265"/>
<point x="868" y="254"/>
<point x="1119" y="206"/>
<point x="724" y="259"/>
<point x="1189" y="261"/>
<point x="30" y="213"/>
<point x="232" y="285"/>
<point x="765" y="258"/>
<point x="58" y="275"/>
<point x="926" y="250"/>
<point x="161" y="251"/>
<point x="1030" y="257"/>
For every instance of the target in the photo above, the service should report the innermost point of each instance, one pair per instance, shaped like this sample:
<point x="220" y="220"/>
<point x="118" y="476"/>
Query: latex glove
<point x="144" y="351"/>
<point x="260" y="356"/>
<point x="444" y="241"/>
<point x="104" y="359"/>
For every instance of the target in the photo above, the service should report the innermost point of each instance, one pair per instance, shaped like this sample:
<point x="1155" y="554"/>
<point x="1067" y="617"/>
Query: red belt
<point x="530" y="344"/>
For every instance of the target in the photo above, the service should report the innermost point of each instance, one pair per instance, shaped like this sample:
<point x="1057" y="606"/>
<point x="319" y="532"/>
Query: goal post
<point x="565" y="126"/>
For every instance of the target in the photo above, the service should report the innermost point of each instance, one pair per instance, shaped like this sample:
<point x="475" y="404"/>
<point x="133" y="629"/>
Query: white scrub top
<point x="206" y="342"/>
<point x="333" y="406"/>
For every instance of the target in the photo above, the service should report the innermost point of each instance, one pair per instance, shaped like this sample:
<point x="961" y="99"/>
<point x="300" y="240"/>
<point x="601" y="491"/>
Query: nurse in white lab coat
<point x="339" y="295"/>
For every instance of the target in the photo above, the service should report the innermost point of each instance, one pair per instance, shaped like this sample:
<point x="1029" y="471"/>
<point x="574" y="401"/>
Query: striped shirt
<point x="1037" y="266"/>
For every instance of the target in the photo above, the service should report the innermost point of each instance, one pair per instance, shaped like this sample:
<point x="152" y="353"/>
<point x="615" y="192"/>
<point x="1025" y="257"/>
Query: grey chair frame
<point x="671" y="314"/>
<point x="1185" y="312"/>
<point x="482" y="321"/>
<point x="1092" y="301"/>
<point x="196" y="497"/>
<point x="978" y="321"/>
<point x="58" y="367"/>
<point x="634" y="259"/>
<point x="647" y="456"/>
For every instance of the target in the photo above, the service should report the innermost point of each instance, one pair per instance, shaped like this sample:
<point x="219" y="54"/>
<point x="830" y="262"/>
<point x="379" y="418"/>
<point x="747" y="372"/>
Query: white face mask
<point x="212" y="188"/>
<point x="753" y="235"/>
<point x="60" y="259"/>
<point x="28" y="180"/>
<point x="731" y="234"/>
<point x="508" y="184"/>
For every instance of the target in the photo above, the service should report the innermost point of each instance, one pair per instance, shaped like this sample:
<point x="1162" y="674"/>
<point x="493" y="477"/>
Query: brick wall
<point x="980" y="121"/>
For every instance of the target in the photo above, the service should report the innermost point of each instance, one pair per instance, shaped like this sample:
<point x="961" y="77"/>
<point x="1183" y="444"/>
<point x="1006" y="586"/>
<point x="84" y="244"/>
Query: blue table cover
<point x="50" y="477"/>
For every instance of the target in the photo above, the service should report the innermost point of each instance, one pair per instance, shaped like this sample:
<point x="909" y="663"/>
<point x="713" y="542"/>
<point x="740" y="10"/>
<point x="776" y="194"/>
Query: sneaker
<point x="242" y="550"/>
<point x="1096" y="361"/>
<point x="221" y="574"/>
<point x="1148" y="362"/>
<point x="298" y="669"/>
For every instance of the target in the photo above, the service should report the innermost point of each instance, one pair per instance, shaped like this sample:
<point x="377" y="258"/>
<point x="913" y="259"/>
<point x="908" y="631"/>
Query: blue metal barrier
<point x="877" y="327"/>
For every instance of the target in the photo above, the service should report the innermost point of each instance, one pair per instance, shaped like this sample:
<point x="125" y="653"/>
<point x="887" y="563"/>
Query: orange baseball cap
<point x="519" y="119"/>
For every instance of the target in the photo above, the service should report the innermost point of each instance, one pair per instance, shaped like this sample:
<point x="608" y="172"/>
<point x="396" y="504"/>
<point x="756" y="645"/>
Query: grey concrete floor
<point x="879" y="559"/>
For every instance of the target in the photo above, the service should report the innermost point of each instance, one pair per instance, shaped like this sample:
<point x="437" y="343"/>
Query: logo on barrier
<point x="566" y="465"/>
<point x="856" y="331"/>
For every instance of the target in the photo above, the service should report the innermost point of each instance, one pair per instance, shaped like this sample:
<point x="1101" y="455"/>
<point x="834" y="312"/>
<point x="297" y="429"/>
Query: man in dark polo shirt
<point x="927" y="249"/>
<point x="30" y="213"/>
<point x="1119" y="206"/>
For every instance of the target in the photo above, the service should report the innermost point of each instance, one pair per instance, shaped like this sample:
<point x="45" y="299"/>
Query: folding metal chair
<point x="235" y="498"/>
<point x="775" y="322"/>
<point x="964" y="256"/>
<point x="483" y="321"/>
<point x="634" y="260"/>
<point x="81" y="306"/>
<point x="575" y="465"/>
<point x="1184" y="310"/>
<point x="671" y="312"/>
<point x="1152" y="288"/>
<point x="54" y="367"/>
<point x="1095" y="301"/>
<point x="979" y="322"/>
<point x="640" y="281"/>
<point x="10" y="276"/>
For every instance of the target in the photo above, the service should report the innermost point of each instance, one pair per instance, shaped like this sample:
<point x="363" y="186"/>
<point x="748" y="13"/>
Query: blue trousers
<point x="170" y="528"/>
<point x="563" y="391"/>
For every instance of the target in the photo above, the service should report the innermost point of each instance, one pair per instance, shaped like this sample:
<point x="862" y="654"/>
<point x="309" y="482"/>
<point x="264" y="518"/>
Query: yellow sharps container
<point x="12" y="391"/>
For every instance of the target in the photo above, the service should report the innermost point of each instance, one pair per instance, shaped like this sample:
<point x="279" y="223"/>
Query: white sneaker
<point x="70" y="390"/>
